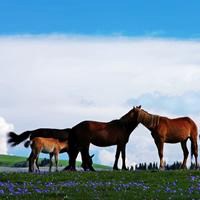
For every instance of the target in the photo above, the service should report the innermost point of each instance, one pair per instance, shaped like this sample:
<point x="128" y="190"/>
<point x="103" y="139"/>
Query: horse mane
<point x="149" y="120"/>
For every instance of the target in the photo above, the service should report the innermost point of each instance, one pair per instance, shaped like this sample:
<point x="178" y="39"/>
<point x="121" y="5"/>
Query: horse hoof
<point x="115" y="168"/>
<point x="69" y="168"/>
<point x="89" y="169"/>
<point x="183" y="167"/>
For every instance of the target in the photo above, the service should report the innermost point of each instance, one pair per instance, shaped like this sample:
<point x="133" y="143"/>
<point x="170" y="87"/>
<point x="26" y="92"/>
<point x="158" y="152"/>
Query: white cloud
<point x="107" y="156"/>
<point x="58" y="81"/>
<point x="5" y="127"/>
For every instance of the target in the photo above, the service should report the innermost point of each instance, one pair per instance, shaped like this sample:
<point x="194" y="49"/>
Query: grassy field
<point x="181" y="184"/>
<point x="101" y="185"/>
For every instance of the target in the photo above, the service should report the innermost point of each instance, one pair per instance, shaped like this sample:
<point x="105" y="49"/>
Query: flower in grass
<point x="193" y="178"/>
<point x="2" y="192"/>
<point x="174" y="183"/>
<point x="69" y="184"/>
<point x="2" y="184"/>
<point x="49" y="184"/>
<point x="38" y="190"/>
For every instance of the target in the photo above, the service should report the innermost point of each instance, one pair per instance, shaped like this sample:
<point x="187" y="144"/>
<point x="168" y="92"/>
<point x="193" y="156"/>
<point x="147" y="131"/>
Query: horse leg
<point x="124" y="157"/>
<point x="29" y="162"/>
<point x="115" y="167"/>
<point x="37" y="165"/>
<point x="160" y="146"/>
<point x="50" y="161"/>
<point x="86" y="159"/>
<point x="185" y="153"/>
<point x="33" y="160"/>
<point x="72" y="160"/>
<point x="194" y="150"/>
<point x="56" y="160"/>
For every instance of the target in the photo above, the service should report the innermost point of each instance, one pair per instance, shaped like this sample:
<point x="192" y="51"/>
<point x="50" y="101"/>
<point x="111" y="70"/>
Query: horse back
<point x="177" y="122"/>
<point x="184" y="122"/>
<point x="48" y="145"/>
<point x="60" y="134"/>
<point x="99" y="133"/>
<point x="176" y="129"/>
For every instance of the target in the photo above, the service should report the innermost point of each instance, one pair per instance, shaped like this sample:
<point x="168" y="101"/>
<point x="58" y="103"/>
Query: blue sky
<point x="63" y="62"/>
<point x="173" y="18"/>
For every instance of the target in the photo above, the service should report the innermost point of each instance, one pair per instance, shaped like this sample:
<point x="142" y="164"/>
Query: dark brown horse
<point x="115" y="132"/>
<point x="165" y="130"/>
<point x="102" y="134"/>
<point x="60" y="134"/>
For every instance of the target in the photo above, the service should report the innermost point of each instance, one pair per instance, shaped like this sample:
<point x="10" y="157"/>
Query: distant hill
<point x="19" y="161"/>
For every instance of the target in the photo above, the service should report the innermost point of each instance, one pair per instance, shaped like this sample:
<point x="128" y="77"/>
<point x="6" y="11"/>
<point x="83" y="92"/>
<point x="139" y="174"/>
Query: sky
<point x="63" y="62"/>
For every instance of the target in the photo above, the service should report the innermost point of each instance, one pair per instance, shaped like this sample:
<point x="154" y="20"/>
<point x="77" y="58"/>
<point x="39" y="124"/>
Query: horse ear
<point x="92" y="156"/>
<point x="139" y="106"/>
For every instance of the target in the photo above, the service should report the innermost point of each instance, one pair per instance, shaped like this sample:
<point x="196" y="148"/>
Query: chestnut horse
<point x="165" y="130"/>
<point x="51" y="146"/>
<point x="102" y="134"/>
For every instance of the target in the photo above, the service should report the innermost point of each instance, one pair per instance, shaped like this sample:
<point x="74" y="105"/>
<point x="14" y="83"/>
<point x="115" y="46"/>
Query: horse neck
<point x="148" y="120"/>
<point x="129" y="124"/>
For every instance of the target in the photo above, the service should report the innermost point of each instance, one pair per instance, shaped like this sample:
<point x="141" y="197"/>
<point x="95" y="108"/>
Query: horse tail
<point x="193" y="139"/>
<point x="15" y="139"/>
<point x="27" y="143"/>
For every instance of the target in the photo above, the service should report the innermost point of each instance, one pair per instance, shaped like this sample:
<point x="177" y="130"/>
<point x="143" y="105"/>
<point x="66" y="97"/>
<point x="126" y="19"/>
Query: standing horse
<point x="102" y="134"/>
<point x="45" y="145"/>
<point x="165" y="130"/>
<point x="60" y="134"/>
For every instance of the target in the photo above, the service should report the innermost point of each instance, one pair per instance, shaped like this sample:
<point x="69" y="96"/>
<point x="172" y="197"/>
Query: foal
<point x="45" y="145"/>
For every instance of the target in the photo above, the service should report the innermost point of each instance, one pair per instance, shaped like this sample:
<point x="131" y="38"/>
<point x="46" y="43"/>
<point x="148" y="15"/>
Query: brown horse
<point x="60" y="134"/>
<point x="102" y="134"/>
<point x="165" y="130"/>
<point x="45" y="145"/>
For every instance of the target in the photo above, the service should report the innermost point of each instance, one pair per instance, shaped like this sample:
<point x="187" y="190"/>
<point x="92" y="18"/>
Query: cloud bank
<point x="5" y="127"/>
<point x="58" y="81"/>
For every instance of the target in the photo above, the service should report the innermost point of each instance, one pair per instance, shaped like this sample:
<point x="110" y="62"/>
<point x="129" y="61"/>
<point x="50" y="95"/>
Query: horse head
<point x="131" y="116"/>
<point x="136" y="111"/>
<point x="87" y="165"/>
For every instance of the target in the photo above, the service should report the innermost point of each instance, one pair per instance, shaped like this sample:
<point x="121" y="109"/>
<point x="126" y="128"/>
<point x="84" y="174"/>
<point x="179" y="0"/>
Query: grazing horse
<point x="60" y="134"/>
<point x="45" y="145"/>
<point x="165" y="130"/>
<point x="102" y="134"/>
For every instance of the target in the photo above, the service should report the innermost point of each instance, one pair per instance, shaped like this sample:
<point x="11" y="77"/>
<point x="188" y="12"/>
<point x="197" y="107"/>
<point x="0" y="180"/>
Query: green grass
<point x="11" y="161"/>
<point x="148" y="185"/>
<point x="180" y="184"/>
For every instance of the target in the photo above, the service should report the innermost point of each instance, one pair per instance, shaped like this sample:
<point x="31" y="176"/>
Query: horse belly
<point x="174" y="140"/>
<point x="103" y="140"/>
<point x="103" y="144"/>
<point x="47" y="149"/>
<point x="177" y="135"/>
